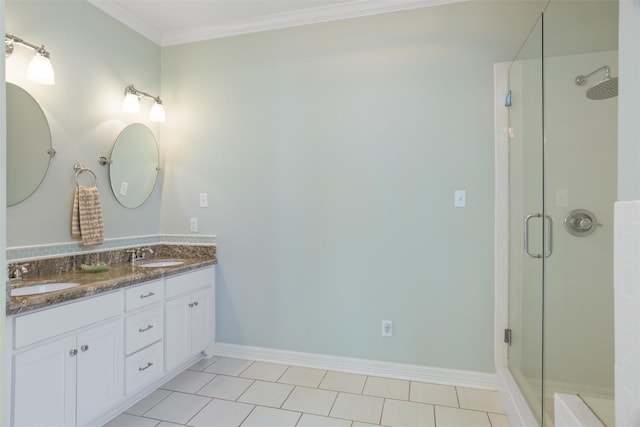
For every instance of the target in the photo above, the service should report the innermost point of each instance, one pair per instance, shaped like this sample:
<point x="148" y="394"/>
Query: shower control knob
<point x="580" y="222"/>
<point x="585" y="223"/>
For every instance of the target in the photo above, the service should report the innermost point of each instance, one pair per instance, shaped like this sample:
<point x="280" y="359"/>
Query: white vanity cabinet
<point x="189" y="319"/>
<point x="70" y="378"/>
<point x="81" y="363"/>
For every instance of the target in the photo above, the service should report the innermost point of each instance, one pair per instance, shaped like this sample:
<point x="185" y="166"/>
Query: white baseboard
<point x="453" y="377"/>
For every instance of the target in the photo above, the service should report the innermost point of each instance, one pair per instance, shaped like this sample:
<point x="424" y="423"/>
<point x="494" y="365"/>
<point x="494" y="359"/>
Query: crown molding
<point x="115" y="10"/>
<point x="351" y="9"/>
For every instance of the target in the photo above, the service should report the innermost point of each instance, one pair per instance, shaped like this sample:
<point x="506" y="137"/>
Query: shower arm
<point x="582" y="79"/>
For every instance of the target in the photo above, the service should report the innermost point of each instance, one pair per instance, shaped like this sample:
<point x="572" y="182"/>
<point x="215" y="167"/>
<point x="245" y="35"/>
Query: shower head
<point x="604" y="89"/>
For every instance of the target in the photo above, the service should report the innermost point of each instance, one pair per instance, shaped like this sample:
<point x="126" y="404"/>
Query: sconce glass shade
<point x="131" y="104"/>
<point x="157" y="113"/>
<point x="40" y="70"/>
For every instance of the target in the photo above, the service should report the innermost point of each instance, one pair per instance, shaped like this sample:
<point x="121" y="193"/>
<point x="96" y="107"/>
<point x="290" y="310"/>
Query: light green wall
<point x="629" y="103"/>
<point x="94" y="58"/>
<point x="331" y="153"/>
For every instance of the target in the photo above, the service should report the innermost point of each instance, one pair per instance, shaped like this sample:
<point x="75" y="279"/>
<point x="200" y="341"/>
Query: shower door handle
<point x="526" y="235"/>
<point x="548" y="235"/>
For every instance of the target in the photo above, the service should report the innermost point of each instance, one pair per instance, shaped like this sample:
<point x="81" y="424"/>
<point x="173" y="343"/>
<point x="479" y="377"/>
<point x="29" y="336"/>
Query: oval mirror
<point x="28" y="145"/>
<point x="134" y="165"/>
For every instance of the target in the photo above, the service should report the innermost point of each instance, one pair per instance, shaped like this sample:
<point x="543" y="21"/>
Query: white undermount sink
<point x="164" y="263"/>
<point x="42" y="288"/>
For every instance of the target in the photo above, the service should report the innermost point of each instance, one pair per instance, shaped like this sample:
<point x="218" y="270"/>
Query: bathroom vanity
<point x="97" y="348"/>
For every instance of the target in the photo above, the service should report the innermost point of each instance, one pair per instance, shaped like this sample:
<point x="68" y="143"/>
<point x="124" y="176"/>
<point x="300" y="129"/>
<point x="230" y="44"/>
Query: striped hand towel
<point x="86" y="218"/>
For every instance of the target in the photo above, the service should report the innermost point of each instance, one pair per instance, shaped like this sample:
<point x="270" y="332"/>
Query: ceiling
<point x="171" y="22"/>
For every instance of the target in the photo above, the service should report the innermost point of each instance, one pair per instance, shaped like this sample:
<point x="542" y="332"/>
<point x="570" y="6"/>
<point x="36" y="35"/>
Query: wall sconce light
<point x="131" y="104"/>
<point x="40" y="69"/>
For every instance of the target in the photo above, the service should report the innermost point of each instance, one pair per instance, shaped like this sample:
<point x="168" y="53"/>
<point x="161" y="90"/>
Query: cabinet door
<point x="100" y="372"/>
<point x="45" y="385"/>
<point x="177" y="338"/>
<point x="201" y="320"/>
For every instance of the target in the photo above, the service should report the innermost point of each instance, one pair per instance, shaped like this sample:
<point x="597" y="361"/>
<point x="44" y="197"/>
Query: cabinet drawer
<point x="44" y="324"/>
<point x="143" y="367"/>
<point x="188" y="282"/>
<point x="144" y="328"/>
<point x="143" y="295"/>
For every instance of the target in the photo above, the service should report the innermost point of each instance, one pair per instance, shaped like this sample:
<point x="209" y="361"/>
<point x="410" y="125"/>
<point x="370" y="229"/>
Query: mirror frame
<point x="134" y="165"/>
<point x="29" y="128"/>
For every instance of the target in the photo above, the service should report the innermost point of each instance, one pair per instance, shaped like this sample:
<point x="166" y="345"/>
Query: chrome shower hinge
<point x="507" y="336"/>
<point x="507" y="99"/>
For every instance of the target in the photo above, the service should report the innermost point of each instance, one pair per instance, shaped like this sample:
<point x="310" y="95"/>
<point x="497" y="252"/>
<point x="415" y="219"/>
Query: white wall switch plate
<point x="387" y="328"/>
<point x="204" y="200"/>
<point x="124" y="187"/>
<point x="194" y="225"/>
<point x="460" y="199"/>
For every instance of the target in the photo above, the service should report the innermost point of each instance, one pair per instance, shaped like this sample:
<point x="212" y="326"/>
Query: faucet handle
<point x="17" y="270"/>
<point x="142" y="252"/>
<point x="133" y="254"/>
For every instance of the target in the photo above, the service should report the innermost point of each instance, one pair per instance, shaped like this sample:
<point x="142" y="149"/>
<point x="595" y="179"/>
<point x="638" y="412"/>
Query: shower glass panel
<point x="526" y="230"/>
<point x="580" y="174"/>
<point x="562" y="186"/>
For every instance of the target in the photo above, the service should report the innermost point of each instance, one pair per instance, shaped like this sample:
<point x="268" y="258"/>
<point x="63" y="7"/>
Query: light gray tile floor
<point x="224" y="392"/>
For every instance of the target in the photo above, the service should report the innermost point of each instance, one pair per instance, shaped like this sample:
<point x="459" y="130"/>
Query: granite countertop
<point x="120" y="274"/>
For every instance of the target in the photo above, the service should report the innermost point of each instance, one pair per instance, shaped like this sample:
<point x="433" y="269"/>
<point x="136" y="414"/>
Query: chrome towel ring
<point x="79" y="168"/>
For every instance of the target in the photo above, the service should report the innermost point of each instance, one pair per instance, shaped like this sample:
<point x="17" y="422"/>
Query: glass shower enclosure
<point x="562" y="143"/>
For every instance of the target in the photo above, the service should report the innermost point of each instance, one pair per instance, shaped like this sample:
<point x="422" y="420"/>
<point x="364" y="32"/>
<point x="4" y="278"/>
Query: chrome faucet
<point x="16" y="271"/>
<point x="139" y="253"/>
<point x="132" y="255"/>
<point x="142" y="252"/>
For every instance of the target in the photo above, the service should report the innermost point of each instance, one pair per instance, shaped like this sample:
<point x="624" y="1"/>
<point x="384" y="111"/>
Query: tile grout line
<point x="384" y="402"/>
<point x="322" y="379"/>
<point x="282" y="374"/>
<point x="161" y="400"/>
<point x="214" y="377"/>
<point x="288" y="396"/>
<point x="335" y="399"/>
<point x="245" y="390"/>
<point x="248" y="415"/>
<point x="489" y="418"/>
<point x="199" y="410"/>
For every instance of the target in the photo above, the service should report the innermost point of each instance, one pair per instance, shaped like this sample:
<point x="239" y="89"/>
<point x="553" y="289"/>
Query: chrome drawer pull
<point x="145" y="329"/>
<point x="149" y="364"/>
<point x="73" y="352"/>
<point x="84" y="347"/>
<point x="195" y="303"/>
<point x="150" y="294"/>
